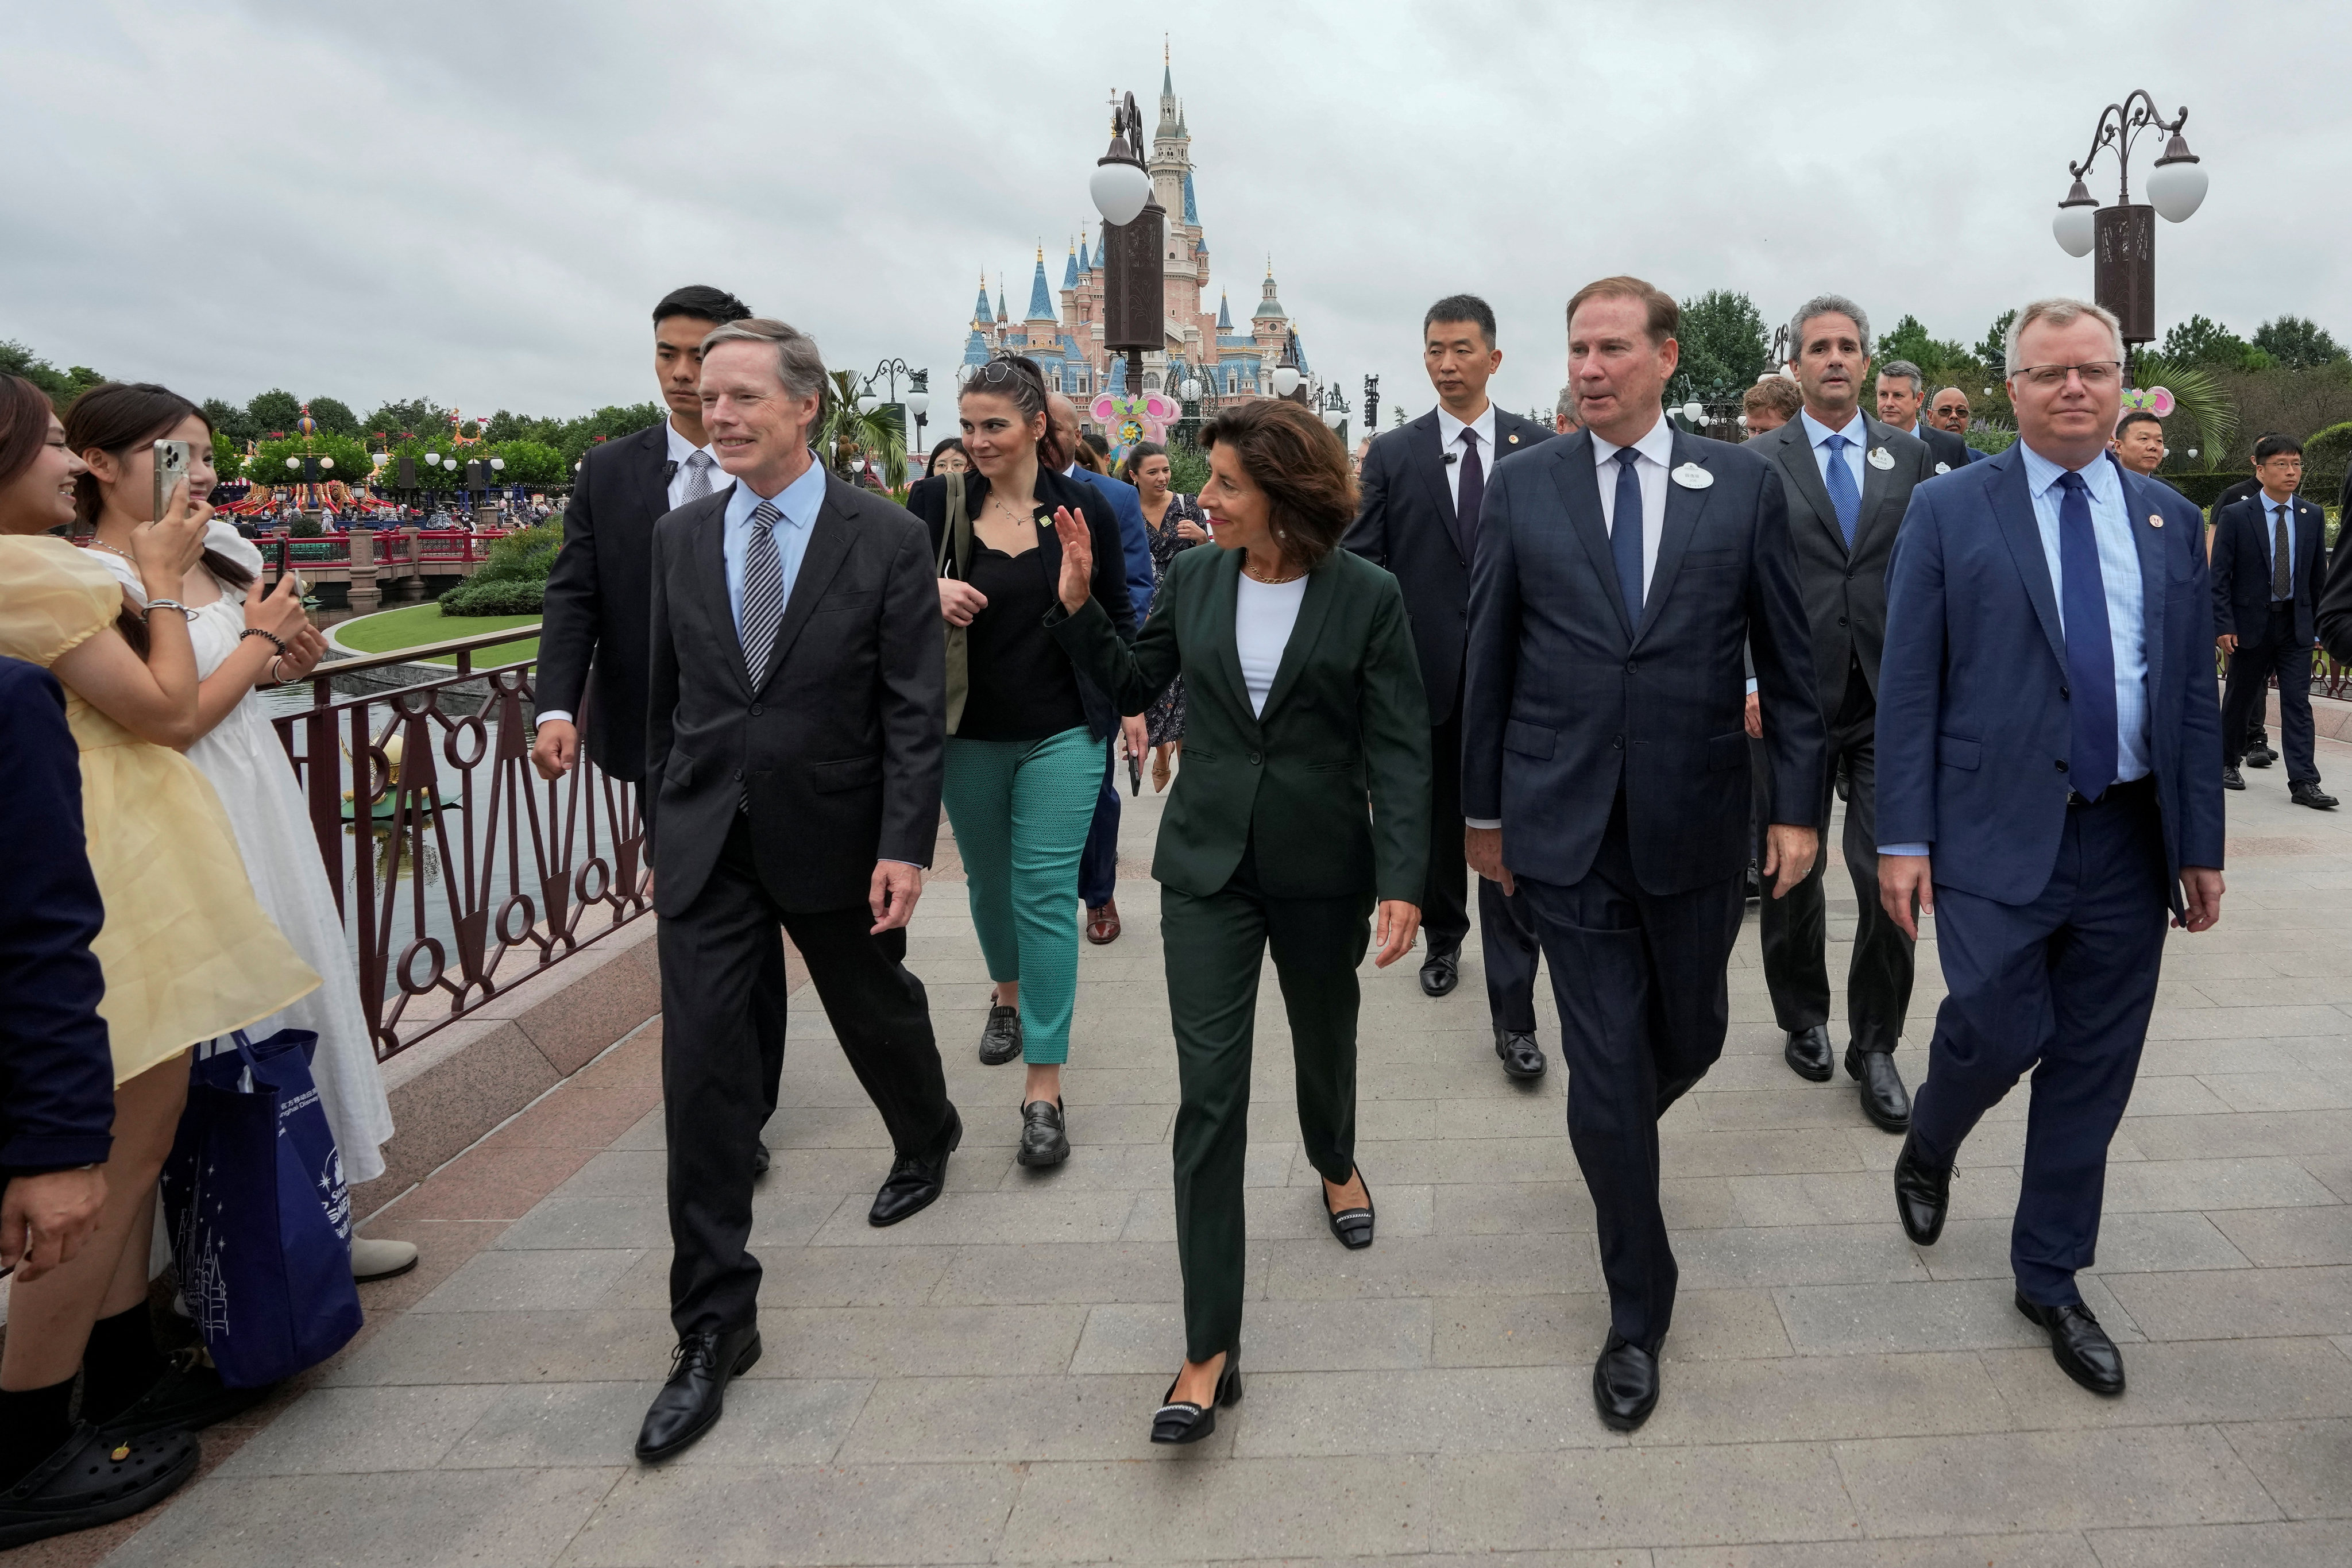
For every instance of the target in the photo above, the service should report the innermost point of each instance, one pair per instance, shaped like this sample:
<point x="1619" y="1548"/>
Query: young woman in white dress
<point x="243" y="639"/>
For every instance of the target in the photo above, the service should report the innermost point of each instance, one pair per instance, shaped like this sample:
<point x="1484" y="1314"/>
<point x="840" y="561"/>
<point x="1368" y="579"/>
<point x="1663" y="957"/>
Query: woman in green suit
<point x="1305" y="700"/>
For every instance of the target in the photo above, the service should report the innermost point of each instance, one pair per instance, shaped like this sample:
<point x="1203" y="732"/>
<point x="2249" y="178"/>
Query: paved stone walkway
<point x="973" y="1386"/>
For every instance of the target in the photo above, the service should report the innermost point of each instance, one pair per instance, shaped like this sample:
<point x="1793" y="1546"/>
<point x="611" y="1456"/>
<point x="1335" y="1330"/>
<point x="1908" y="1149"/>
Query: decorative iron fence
<point x="458" y="871"/>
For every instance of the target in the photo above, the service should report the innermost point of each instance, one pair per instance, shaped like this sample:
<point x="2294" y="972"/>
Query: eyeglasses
<point x="2097" y="375"/>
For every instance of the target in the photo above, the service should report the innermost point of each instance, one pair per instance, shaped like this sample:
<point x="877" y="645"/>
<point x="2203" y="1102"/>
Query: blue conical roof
<point x="1041" y="298"/>
<point x="1225" y="314"/>
<point x="1191" y="207"/>
<point x="980" y="311"/>
<point x="1070" y="271"/>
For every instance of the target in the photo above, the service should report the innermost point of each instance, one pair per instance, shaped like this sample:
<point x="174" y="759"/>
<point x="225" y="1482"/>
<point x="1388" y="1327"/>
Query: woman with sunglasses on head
<point x="244" y="638"/>
<point x="185" y="954"/>
<point x="1024" y="754"/>
<point x="1306" y="701"/>
<point x="1172" y="522"/>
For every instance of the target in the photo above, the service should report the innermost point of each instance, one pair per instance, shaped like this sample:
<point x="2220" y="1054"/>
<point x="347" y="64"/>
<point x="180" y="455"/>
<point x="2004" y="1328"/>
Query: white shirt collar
<point x="1658" y="446"/>
<point x="680" y="448"/>
<point x="1449" y="431"/>
<point x="1853" y="430"/>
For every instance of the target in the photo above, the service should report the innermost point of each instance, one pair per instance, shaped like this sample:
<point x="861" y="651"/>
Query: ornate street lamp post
<point x="1133" y="236"/>
<point x="1371" y="405"/>
<point x="1335" y="411"/>
<point x="2123" y="274"/>
<point x="919" y="395"/>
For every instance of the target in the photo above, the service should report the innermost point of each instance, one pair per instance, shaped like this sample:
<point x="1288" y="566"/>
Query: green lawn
<point x="418" y="624"/>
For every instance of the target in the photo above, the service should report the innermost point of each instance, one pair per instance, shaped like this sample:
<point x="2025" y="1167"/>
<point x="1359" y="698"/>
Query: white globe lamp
<point x="2175" y="186"/>
<point x="2075" y="224"/>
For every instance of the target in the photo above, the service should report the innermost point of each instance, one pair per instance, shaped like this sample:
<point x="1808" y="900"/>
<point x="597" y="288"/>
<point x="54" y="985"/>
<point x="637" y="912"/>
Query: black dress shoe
<point x="1000" y="1037"/>
<point x="1808" y="1053"/>
<point x="1440" y="973"/>
<point x="95" y="1478"/>
<point x="2308" y="792"/>
<point x="1625" y="1384"/>
<point x="1181" y="1421"/>
<point x="915" y="1180"/>
<point x="689" y="1403"/>
<point x="1045" y="1139"/>
<point x="2260" y="755"/>
<point x="1523" y="1059"/>
<point x="761" y="1159"/>
<point x="2233" y="779"/>
<point x="188" y="1397"/>
<point x="1352" y="1227"/>
<point x="1922" y="1194"/>
<point x="1883" y="1098"/>
<point x="2079" y="1345"/>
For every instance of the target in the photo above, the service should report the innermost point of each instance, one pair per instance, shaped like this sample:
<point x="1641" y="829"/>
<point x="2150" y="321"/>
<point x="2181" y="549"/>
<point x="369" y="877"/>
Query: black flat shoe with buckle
<point x="1352" y="1227"/>
<point x="1181" y="1421"/>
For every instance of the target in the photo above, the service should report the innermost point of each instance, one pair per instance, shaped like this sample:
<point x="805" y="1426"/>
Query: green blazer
<point x="1346" y="719"/>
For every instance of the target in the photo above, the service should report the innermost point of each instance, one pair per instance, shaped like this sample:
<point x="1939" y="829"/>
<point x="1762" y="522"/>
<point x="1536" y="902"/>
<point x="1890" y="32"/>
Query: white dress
<point x="250" y="771"/>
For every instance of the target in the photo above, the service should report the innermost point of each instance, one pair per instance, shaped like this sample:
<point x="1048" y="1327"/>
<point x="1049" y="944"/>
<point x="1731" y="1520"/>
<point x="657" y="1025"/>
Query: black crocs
<point x="95" y="1479"/>
<point x="188" y="1397"/>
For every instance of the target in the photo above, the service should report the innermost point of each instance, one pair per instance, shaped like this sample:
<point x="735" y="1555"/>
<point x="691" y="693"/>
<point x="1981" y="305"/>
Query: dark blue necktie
<point x="1625" y="533"/>
<point x="1842" y="494"/>
<point x="1470" y="496"/>
<point x="2090" y="645"/>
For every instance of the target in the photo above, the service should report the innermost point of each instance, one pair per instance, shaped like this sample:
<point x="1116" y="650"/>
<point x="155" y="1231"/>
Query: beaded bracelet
<point x="257" y="631"/>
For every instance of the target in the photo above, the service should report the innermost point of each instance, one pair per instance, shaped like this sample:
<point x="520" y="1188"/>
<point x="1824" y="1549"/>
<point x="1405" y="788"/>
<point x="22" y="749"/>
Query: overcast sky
<point x="479" y="203"/>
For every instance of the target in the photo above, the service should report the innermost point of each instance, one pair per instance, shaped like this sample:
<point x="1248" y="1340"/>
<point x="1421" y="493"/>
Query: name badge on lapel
<point x="1880" y="457"/>
<point x="1515" y="440"/>
<point x="1691" y="476"/>
<point x="2156" y="520"/>
<point x="1943" y="467"/>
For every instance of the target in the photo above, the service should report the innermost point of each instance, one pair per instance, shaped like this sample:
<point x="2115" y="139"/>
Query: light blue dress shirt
<point x="800" y="501"/>
<point x="1857" y="438"/>
<point x="2270" y="537"/>
<point x="2111" y="524"/>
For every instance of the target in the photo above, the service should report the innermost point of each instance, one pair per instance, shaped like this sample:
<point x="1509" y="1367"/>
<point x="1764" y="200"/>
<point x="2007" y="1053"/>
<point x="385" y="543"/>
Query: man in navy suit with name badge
<point x="1620" y="574"/>
<point x="2049" y="784"/>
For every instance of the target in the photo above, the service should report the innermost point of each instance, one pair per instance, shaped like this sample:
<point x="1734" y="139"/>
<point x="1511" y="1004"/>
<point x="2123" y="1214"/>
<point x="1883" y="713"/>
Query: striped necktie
<point x="763" y="592"/>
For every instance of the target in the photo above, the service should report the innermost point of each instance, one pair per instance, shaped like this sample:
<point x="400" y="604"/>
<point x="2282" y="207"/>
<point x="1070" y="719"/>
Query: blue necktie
<point x="1843" y="495"/>
<point x="2090" y="646"/>
<point x="1625" y="534"/>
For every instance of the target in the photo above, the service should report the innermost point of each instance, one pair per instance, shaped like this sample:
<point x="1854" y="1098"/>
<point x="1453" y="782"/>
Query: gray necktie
<point x="763" y="591"/>
<point x="2281" y="559"/>
<point x="698" y="465"/>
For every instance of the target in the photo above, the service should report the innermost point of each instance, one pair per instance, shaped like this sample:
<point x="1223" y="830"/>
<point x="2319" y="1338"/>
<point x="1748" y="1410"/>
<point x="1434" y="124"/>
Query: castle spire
<point x="980" y="311"/>
<point x="1166" y="95"/>
<point x="1041" y="301"/>
<point x="1070" y="269"/>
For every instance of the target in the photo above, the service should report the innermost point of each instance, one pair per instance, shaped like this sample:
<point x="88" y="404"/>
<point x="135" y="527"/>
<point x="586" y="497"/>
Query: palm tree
<point x="2211" y="419"/>
<point x="843" y="435"/>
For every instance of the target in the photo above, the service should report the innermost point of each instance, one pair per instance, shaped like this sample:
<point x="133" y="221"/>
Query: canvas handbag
<point x="955" y="560"/>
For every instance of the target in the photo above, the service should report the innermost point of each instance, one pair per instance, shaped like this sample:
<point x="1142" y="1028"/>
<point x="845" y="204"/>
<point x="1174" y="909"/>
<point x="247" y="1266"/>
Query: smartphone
<point x="171" y="468"/>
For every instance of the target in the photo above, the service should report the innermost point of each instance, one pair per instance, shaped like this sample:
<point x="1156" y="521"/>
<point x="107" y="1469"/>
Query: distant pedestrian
<point x="2270" y="568"/>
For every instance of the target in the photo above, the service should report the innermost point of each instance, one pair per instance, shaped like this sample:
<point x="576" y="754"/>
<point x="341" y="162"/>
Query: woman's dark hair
<point x="1016" y="377"/>
<point x="952" y="444"/>
<point x="1299" y="462"/>
<point x="24" y="426"/>
<point x="117" y="418"/>
<point x="1133" y="462"/>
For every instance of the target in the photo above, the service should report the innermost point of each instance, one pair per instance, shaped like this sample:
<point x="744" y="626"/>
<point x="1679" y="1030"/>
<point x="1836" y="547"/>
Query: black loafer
<point x="1045" y="1137"/>
<point x="1181" y="1421"/>
<point x="2079" y="1345"/>
<point x="689" y="1403"/>
<point x="1922" y="1196"/>
<point x="1883" y="1098"/>
<point x="95" y="1478"/>
<point x="1523" y="1059"/>
<point x="1625" y="1384"/>
<point x="1808" y="1053"/>
<point x="2308" y="792"/>
<point x="1352" y="1227"/>
<point x="1440" y="973"/>
<point x="1000" y="1037"/>
<point x="2233" y="779"/>
<point x="915" y="1181"/>
<point x="188" y="1397"/>
<point x="760" y="1160"/>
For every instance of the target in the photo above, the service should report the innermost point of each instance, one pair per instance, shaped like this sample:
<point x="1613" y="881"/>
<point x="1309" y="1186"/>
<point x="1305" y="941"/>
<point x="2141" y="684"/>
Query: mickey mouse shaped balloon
<point x="1127" y="421"/>
<point x="2154" y="400"/>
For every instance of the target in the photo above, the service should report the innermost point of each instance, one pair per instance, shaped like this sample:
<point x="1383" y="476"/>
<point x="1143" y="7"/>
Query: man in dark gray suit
<point x="1604" y="763"/>
<point x="795" y="719"/>
<point x="1848" y="479"/>
<point x="1902" y="395"/>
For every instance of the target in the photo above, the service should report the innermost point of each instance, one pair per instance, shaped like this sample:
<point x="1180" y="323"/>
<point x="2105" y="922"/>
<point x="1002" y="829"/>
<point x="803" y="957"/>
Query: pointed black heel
<point x="1181" y="1421"/>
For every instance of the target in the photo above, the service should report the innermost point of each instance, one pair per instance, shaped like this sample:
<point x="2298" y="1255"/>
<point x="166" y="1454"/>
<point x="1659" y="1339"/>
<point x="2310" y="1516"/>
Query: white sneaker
<point x="376" y="1260"/>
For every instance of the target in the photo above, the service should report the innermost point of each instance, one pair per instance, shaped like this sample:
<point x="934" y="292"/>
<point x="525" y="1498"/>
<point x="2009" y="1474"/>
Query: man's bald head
<point x="1062" y="430"/>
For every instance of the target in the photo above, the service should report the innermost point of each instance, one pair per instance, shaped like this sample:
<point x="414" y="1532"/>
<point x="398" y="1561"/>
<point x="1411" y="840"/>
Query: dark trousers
<point x="1795" y="929"/>
<point x="767" y="995"/>
<point x="1507" y="933"/>
<point x="1215" y="948"/>
<point x="1643" y="1003"/>
<point x="722" y="987"/>
<point x="1099" y="862"/>
<point x="2062" y="985"/>
<point x="2277" y="651"/>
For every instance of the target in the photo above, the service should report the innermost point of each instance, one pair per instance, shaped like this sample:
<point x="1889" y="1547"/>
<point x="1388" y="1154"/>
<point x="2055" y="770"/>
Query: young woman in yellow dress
<point x="187" y="953"/>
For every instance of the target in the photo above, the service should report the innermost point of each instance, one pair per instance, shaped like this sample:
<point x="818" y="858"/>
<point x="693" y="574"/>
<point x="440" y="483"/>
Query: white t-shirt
<point x="1264" y="615"/>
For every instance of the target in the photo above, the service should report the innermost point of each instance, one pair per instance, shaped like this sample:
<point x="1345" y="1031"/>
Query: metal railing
<point x="392" y="545"/>
<point x="459" y="872"/>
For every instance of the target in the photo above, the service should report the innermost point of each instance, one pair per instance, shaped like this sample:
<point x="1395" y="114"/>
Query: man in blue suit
<point x="2049" y="784"/>
<point x="1620" y="574"/>
<point x="1098" y="864"/>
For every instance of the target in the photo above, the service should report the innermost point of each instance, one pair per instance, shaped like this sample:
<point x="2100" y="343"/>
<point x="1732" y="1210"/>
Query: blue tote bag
<point x="260" y="1217"/>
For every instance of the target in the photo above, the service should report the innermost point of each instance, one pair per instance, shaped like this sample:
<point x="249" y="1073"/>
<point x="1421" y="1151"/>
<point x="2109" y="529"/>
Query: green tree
<point x="2298" y="343"/>
<point x="2198" y="341"/>
<point x="2204" y="416"/>
<point x="334" y="415"/>
<point x="17" y="359"/>
<point x="274" y="412"/>
<point x="843" y="433"/>
<point x="1724" y="346"/>
<point x="228" y="421"/>
<point x="576" y="436"/>
<point x="418" y="416"/>
<point x="352" y="461"/>
<point x="1993" y="348"/>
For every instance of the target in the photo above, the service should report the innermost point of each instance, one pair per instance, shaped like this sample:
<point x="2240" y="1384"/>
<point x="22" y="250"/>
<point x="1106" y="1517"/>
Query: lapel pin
<point x="1880" y="457"/>
<point x="1515" y="440"/>
<point x="2156" y="520"/>
<point x="1943" y="467"/>
<point x="1691" y="476"/>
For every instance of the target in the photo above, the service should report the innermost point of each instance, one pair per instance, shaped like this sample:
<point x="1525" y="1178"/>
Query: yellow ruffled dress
<point x="186" y="950"/>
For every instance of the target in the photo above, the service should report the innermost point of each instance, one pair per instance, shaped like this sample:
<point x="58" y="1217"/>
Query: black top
<point x="1024" y="687"/>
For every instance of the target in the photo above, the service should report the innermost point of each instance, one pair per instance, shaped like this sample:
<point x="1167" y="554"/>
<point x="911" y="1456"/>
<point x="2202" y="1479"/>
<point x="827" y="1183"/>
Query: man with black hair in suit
<point x="2270" y="567"/>
<point x="1421" y="490"/>
<point x="2140" y="443"/>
